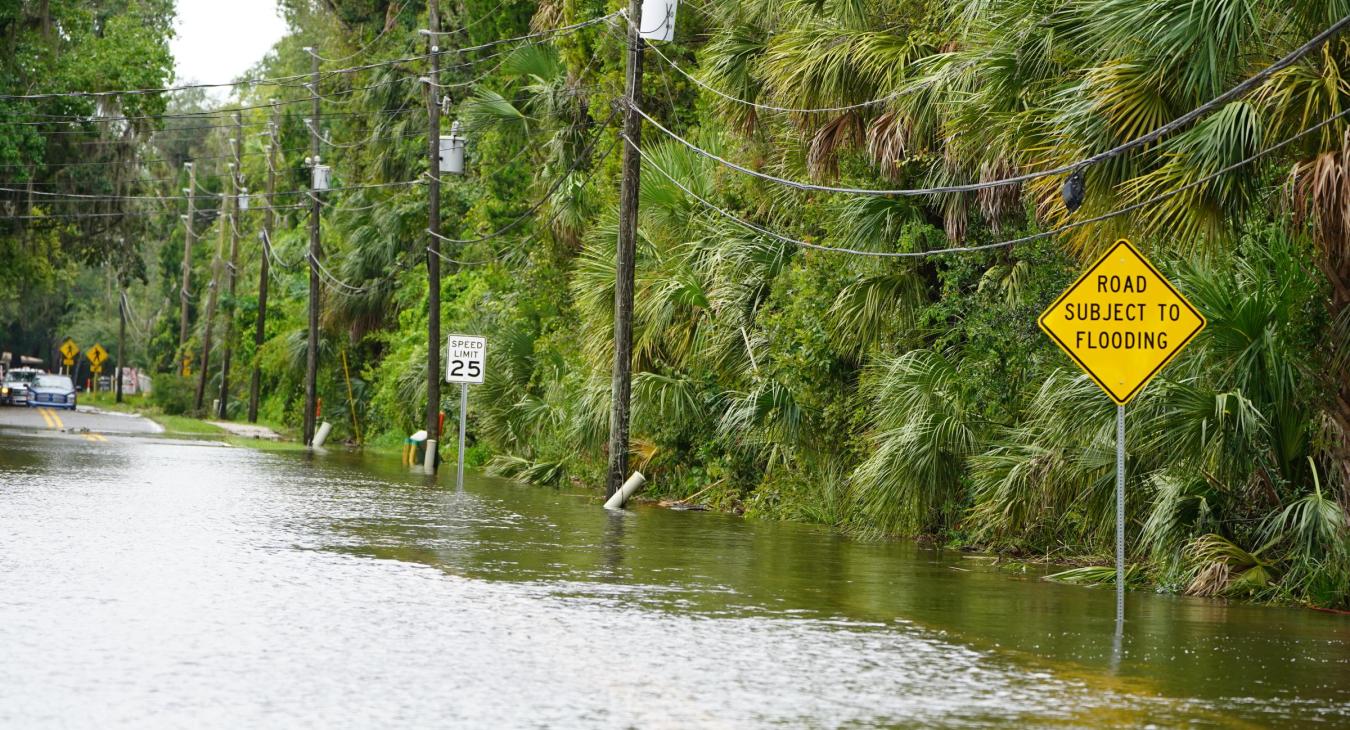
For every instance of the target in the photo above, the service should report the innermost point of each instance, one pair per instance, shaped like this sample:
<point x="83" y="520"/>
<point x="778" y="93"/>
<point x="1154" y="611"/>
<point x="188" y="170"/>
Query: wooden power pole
<point x="121" y="343"/>
<point x="237" y="179"/>
<point x="312" y="351"/>
<point x="622" y="384"/>
<point x="433" y="254"/>
<point x="260" y="328"/>
<point x="213" y="294"/>
<point x="190" y="238"/>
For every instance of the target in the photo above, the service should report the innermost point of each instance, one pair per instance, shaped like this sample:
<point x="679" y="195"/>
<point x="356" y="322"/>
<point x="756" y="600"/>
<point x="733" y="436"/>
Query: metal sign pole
<point x="1120" y="513"/>
<point x="463" y="410"/>
<point x="466" y="361"/>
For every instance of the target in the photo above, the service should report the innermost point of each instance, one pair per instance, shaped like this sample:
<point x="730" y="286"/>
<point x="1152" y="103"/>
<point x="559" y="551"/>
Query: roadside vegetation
<point x="174" y="424"/>
<point x="884" y="396"/>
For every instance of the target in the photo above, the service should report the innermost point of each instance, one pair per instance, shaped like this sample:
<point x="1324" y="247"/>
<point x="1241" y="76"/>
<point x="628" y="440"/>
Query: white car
<point x="14" y="390"/>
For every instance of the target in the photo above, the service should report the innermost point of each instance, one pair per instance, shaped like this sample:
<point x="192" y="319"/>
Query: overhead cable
<point x="347" y="289"/>
<point x="270" y="252"/>
<point x="64" y="197"/>
<point x="595" y="167"/>
<point x="389" y="25"/>
<point x="277" y="81"/>
<point x="1233" y="93"/>
<point x="286" y="81"/>
<point x="120" y="214"/>
<point x="81" y="118"/>
<point x="543" y="200"/>
<point x="769" y="107"/>
<point x="527" y="37"/>
<point x="999" y="244"/>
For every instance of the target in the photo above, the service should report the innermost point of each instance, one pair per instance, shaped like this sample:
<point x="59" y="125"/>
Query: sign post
<point x="465" y="363"/>
<point x="1122" y="322"/>
<point x="97" y="356"/>
<point x="68" y="352"/>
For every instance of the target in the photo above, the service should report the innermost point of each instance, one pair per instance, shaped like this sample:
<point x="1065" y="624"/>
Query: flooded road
<point x="152" y="583"/>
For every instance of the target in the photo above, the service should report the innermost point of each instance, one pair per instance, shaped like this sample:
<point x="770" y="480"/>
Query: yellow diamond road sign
<point x="1122" y="321"/>
<point x="96" y="354"/>
<point x="69" y="349"/>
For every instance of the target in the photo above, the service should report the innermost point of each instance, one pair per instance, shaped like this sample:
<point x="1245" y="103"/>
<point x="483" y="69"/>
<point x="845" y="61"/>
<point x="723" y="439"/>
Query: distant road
<point x="85" y="423"/>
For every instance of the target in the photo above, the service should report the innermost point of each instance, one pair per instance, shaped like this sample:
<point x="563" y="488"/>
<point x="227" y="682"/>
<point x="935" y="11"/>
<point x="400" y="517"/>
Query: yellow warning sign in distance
<point x="1122" y="321"/>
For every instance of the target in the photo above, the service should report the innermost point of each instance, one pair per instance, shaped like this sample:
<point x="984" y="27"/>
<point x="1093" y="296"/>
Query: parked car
<point x="52" y="391"/>
<point x="14" y="390"/>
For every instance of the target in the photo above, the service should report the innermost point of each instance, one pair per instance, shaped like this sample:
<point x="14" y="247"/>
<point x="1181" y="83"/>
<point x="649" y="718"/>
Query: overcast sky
<point x="217" y="39"/>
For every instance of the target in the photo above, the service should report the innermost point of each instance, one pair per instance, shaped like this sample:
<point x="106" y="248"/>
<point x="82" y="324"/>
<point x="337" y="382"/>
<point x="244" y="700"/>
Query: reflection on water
<point x="148" y="583"/>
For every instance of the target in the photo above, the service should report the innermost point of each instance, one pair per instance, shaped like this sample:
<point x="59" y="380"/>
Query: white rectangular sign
<point x="465" y="359"/>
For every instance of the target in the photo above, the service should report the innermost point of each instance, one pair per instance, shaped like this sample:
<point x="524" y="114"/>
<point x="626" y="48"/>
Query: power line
<point x="1000" y="244"/>
<point x="769" y="107"/>
<point x="131" y="317"/>
<point x="183" y="115"/>
<point x="98" y="120"/>
<point x="118" y="214"/>
<point x="271" y="252"/>
<point x="374" y="132"/>
<point x="480" y="77"/>
<point x="76" y="197"/>
<point x="277" y="81"/>
<point x="528" y="36"/>
<point x="595" y="167"/>
<point x="69" y="165"/>
<point x="347" y="289"/>
<point x="499" y="168"/>
<point x="546" y="196"/>
<point x="356" y="186"/>
<point x="389" y="25"/>
<point x="132" y="181"/>
<point x="463" y="28"/>
<point x="1181" y="121"/>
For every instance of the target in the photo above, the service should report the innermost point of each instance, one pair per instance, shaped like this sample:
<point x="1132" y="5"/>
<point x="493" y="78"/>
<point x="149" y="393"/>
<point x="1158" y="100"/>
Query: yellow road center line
<point x="100" y="437"/>
<point x="88" y="437"/>
<point x="45" y="417"/>
<point x="56" y="418"/>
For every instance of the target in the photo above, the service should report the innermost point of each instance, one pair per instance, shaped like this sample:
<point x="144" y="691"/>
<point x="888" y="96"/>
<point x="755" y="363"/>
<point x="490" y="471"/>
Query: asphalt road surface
<point x="85" y="423"/>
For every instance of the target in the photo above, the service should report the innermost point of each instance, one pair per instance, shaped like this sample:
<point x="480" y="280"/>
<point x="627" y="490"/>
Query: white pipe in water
<point x="322" y="435"/>
<point x="629" y="488"/>
<point x="429" y="462"/>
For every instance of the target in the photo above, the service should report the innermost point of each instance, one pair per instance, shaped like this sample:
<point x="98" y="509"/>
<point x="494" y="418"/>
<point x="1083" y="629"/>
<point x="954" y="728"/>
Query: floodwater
<point x="150" y="583"/>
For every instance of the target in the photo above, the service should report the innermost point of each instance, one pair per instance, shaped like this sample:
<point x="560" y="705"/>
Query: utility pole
<point x="622" y="385"/>
<point x="236" y="185"/>
<point x="190" y="238"/>
<point x="260" y="329"/>
<point x="312" y="353"/>
<point x="121" y="343"/>
<point x="433" y="254"/>
<point x="213" y="294"/>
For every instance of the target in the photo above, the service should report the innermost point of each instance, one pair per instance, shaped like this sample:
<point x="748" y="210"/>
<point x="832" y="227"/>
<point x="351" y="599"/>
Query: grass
<point x="183" y="425"/>
<point x="387" y="445"/>
<point x="107" y="401"/>
<point x="264" y="444"/>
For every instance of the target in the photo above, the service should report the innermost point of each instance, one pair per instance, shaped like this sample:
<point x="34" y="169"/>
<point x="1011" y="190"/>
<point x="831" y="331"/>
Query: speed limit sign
<point x="465" y="359"/>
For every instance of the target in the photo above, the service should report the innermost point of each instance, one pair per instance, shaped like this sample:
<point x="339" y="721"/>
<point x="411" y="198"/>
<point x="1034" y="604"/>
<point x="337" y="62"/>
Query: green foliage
<point x="174" y="395"/>
<point x="1095" y="575"/>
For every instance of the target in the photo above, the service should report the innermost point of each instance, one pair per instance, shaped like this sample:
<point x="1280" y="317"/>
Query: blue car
<point x="51" y="391"/>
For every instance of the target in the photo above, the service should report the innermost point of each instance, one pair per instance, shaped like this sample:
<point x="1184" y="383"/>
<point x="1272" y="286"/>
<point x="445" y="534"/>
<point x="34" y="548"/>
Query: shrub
<point x="173" y="394"/>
